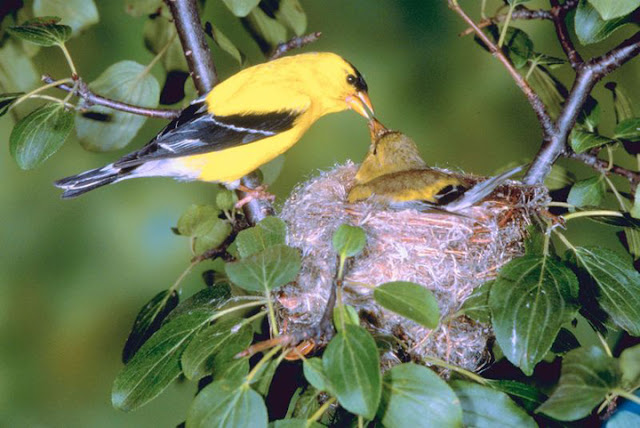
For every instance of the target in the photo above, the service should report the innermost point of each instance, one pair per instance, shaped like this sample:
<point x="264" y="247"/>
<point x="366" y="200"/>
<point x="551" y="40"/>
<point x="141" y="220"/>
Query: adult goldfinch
<point x="243" y="123"/>
<point x="394" y="173"/>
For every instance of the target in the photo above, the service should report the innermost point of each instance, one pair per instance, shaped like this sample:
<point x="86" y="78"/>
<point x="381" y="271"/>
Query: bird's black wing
<point x="197" y="131"/>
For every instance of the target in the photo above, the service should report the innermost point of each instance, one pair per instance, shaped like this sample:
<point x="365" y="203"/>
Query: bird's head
<point x="390" y="151"/>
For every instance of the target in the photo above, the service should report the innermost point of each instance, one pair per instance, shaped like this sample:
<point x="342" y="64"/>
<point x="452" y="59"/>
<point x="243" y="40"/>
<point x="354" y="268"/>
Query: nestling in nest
<point x="450" y="254"/>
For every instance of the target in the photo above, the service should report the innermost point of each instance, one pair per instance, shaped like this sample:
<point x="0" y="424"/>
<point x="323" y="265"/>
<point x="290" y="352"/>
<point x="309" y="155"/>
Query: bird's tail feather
<point x="78" y="184"/>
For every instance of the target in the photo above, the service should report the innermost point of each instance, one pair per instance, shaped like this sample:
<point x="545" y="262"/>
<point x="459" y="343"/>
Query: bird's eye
<point x="351" y="79"/>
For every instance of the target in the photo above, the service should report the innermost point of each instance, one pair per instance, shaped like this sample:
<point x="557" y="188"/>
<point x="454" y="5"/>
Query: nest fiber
<point x="448" y="254"/>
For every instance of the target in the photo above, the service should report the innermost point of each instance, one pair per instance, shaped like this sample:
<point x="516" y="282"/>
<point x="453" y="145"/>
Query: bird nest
<point x="450" y="255"/>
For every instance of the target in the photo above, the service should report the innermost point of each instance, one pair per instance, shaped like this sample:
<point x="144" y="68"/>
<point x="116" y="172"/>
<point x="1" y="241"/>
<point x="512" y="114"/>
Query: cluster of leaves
<point x="44" y="130"/>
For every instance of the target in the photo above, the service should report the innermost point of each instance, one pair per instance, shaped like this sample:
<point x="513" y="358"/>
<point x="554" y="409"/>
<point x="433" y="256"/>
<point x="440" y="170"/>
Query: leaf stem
<point x="605" y="345"/>
<point x="505" y="27"/>
<point x="67" y="56"/>
<point x="158" y="56"/>
<point x="628" y="395"/>
<point x="565" y="241"/>
<point x="318" y="414"/>
<point x="273" y="324"/>
<point x="236" y="308"/>
<point x="40" y="89"/>
<point x="55" y="100"/>
<point x="265" y="358"/>
<point x="467" y="373"/>
<point x="593" y="213"/>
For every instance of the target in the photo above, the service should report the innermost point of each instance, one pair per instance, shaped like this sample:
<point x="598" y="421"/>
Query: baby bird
<point x="394" y="173"/>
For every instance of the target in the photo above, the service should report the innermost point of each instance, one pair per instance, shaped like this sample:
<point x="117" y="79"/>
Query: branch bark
<point x="602" y="166"/>
<point x="559" y="15"/>
<point x="91" y="98"/>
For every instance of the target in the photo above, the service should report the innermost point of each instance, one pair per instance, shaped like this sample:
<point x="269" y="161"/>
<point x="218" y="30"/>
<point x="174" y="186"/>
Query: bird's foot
<point x="259" y="192"/>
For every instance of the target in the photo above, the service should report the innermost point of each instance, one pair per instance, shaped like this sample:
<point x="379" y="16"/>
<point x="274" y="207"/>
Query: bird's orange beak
<point x="361" y="104"/>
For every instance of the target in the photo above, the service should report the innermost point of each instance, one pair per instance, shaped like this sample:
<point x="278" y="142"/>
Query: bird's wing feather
<point x="197" y="131"/>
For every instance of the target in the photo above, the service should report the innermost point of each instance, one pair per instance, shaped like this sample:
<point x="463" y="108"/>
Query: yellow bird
<point x="243" y="123"/>
<point x="394" y="173"/>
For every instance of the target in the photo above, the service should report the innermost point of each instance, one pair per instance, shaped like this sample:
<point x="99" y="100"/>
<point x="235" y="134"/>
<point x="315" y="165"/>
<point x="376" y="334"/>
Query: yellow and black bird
<point x="394" y="173"/>
<point x="243" y="123"/>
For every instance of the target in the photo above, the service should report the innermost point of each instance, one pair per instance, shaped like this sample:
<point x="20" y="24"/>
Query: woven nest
<point x="448" y="254"/>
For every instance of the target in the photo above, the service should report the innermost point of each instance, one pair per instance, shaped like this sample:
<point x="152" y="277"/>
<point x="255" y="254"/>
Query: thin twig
<point x="295" y="43"/>
<point x="519" y="13"/>
<point x="559" y="15"/>
<point x="602" y="166"/>
<point x="90" y="98"/>
<point x="536" y="103"/>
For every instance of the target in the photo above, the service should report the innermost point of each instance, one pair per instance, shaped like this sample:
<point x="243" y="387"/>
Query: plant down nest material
<point x="448" y="254"/>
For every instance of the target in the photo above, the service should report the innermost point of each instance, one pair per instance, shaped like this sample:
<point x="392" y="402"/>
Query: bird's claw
<point x="259" y="192"/>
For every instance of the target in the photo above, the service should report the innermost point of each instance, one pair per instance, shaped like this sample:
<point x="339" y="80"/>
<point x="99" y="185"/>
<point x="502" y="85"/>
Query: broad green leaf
<point x="7" y="99"/>
<point x="294" y="423"/>
<point x="159" y="32"/>
<point x="262" y="381"/>
<point x="565" y="342"/>
<point x="266" y="31"/>
<point x="197" y="358"/>
<point x="587" y="193"/>
<point x="102" y="129"/>
<point x="266" y="270"/>
<point x="225" y="365"/>
<point x="271" y="170"/>
<point x="77" y="14"/>
<point x="530" y="300"/>
<point x="589" y="25"/>
<point x="632" y="241"/>
<point x="305" y="405"/>
<point x="352" y="365"/>
<point x="291" y="14"/>
<point x="226" y="44"/>
<point x="559" y="178"/>
<point x="42" y="31"/>
<point x="484" y="407"/>
<point x="349" y="241"/>
<point x="227" y="403"/>
<point x="628" y="129"/>
<point x="148" y="321"/>
<point x="142" y="7"/>
<point x="630" y="365"/>
<point x="519" y="47"/>
<point x="587" y="376"/>
<point x="217" y="296"/>
<point x="635" y="209"/>
<point x="414" y="396"/>
<point x="622" y="220"/>
<point x="526" y="395"/>
<point x="589" y="116"/>
<point x="268" y="232"/>
<point x="218" y="231"/>
<point x="610" y="9"/>
<point x="314" y="373"/>
<point x="346" y="313"/>
<point x="410" y="300"/>
<point x="157" y="363"/>
<point x="195" y="220"/>
<point x="549" y="89"/>
<point x="581" y="141"/>
<point x="476" y="306"/>
<point x="40" y="134"/>
<point x="621" y="102"/>
<point x="17" y="72"/>
<point x="226" y="199"/>
<point x="618" y="285"/>
<point x="516" y="2"/>
<point x="241" y="8"/>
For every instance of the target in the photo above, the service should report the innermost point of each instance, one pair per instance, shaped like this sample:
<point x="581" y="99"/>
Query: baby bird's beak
<point x="361" y="104"/>
<point x="376" y="128"/>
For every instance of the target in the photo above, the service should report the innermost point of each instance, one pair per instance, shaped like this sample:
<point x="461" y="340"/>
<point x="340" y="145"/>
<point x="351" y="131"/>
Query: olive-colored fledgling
<point x="394" y="173"/>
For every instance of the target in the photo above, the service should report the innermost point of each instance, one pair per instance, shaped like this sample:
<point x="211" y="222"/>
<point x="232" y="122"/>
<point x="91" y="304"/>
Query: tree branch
<point x="295" y="43"/>
<point x="90" y="98"/>
<point x="559" y="14"/>
<point x="602" y="166"/>
<point x="535" y="102"/>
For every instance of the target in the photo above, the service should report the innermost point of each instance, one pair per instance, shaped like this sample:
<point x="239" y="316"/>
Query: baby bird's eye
<point x="351" y="79"/>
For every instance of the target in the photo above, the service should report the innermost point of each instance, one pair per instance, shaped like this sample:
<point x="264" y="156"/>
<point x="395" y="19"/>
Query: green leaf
<point x="198" y="356"/>
<point x="632" y="238"/>
<point x="40" y="134"/>
<point x="227" y="403"/>
<point x="262" y="381"/>
<point x="142" y="7"/>
<point x="618" y="285"/>
<point x="266" y="270"/>
<point x="519" y="47"/>
<point x="628" y="129"/>
<point x="587" y="193"/>
<point x="587" y="376"/>
<point x="241" y="8"/>
<point x="530" y="300"/>
<point x="77" y="14"/>
<point x="414" y="396"/>
<point x="268" y="232"/>
<point x="266" y="31"/>
<point x="314" y="373"/>
<point x="559" y="178"/>
<point x="610" y="9"/>
<point x="42" y="31"/>
<point x="590" y="27"/>
<point x="484" y="407"/>
<point x="218" y="231"/>
<point x="217" y="296"/>
<point x="305" y="405"/>
<point x="635" y="209"/>
<point x="476" y="306"/>
<point x="291" y="14"/>
<point x="526" y="395"/>
<point x="158" y="32"/>
<point x="101" y="128"/>
<point x="349" y="241"/>
<point x="157" y="363"/>
<point x="195" y="220"/>
<point x="623" y="220"/>
<point x="349" y="314"/>
<point x="352" y="365"/>
<point x="271" y="170"/>
<point x="226" y="44"/>
<point x="225" y="365"/>
<point x="7" y="99"/>
<point x="410" y="300"/>
<point x="550" y="90"/>
<point x="621" y="102"/>
<point x="148" y="321"/>
<point x="295" y="423"/>
<point x="589" y="116"/>
<point x="226" y="199"/>
<point x="581" y="141"/>
<point x="630" y="366"/>
<point x="17" y="71"/>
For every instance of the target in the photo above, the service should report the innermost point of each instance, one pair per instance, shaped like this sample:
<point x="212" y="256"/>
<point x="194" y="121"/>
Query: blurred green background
<point x="73" y="274"/>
